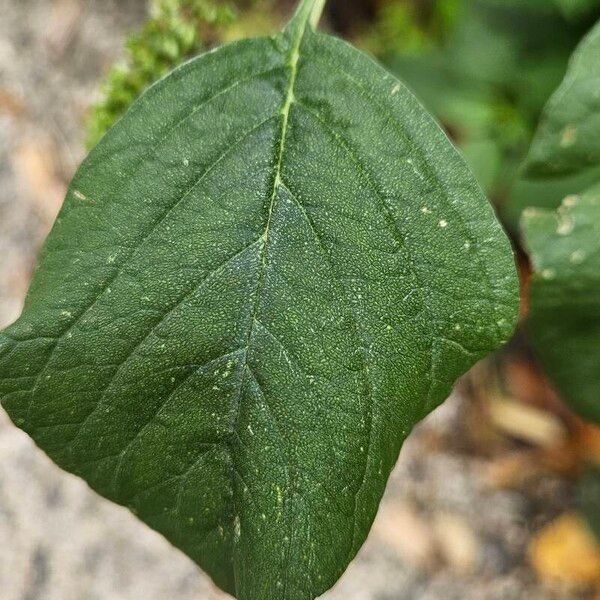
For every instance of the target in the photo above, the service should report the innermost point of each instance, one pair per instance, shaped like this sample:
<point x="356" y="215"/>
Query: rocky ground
<point x="450" y="526"/>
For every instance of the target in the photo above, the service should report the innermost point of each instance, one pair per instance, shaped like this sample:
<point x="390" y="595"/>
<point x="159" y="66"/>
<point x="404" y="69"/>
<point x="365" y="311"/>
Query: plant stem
<point x="316" y="12"/>
<point x="309" y="11"/>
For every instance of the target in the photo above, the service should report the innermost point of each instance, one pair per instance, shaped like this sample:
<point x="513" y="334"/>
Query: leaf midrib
<point x="292" y="66"/>
<point x="294" y="57"/>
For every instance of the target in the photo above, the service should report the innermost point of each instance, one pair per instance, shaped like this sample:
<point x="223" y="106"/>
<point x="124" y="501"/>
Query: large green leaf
<point x="263" y="276"/>
<point x="564" y="321"/>
<point x="568" y="138"/>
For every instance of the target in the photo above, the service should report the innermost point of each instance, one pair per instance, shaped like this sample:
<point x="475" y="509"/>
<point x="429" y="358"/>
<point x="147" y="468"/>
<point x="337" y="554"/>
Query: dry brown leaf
<point x="527" y="383"/>
<point x="10" y="104"/>
<point x="457" y="543"/>
<point x="566" y="552"/>
<point x="511" y="471"/>
<point x="587" y="442"/>
<point x="34" y="166"/>
<point x="527" y="423"/>
<point x="404" y="530"/>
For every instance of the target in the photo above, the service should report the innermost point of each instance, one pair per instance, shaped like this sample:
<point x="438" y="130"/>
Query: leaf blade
<point x="211" y="358"/>
<point x="563" y="322"/>
<point x="567" y="138"/>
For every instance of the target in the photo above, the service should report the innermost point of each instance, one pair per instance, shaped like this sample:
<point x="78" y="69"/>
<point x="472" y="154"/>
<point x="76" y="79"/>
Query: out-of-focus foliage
<point x="564" y="323"/>
<point x="170" y="34"/>
<point x="568" y="138"/>
<point x="564" y="319"/>
<point x="589" y="497"/>
<point x="545" y="193"/>
<point x="484" y="67"/>
<point x="174" y="31"/>
<point x="576" y="8"/>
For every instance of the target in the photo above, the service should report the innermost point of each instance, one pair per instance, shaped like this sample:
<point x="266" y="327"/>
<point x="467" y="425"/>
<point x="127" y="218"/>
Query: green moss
<point x="174" y="31"/>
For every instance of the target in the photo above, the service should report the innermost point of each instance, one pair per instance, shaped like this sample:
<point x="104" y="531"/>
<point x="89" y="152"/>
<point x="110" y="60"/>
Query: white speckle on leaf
<point x="443" y="223"/>
<point x="396" y="89"/>
<point x="425" y="210"/>
<point x="565" y="226"/>
<point x="531" y="212"/>
<point x="568" y="136"/>
<point x="79" y="195"/>
<point x="577" y="257"/>
<point x="548" y="273"/>
<point x="570" y="201"/>
<point x="237" y="528"/>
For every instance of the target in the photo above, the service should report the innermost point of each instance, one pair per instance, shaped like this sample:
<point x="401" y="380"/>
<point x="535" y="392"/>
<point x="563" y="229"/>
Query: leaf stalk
<point x="310" y="11"/>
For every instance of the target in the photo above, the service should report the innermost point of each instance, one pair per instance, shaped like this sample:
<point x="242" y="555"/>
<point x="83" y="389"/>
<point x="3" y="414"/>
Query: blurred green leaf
<point x="564" y="318"/>
<point x="486" y="71"/>
<point x="568" y="138"/>
<point x="544" y="193"/>
<point x="574" y="9"/>
<point x="589" y="497"/>
<point x="485" y="159"/>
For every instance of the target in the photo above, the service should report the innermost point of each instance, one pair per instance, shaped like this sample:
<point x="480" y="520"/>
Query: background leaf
<point x="564" y="323"/>
<point x="485" y="68"/>
<point x="574" y="9"/>
<point x="589" y="497"/>
<point x="263" y="276"/>
<point x="545" y="193"/>
<point x="568" y="137"/>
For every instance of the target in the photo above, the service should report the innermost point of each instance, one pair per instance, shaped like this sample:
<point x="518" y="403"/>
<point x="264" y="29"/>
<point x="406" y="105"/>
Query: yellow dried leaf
<point x="527" y="423"/>
<point x="566" y="551"/>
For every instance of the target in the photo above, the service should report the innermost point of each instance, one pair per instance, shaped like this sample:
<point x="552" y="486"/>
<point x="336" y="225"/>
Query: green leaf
<point x="576" y="9"/>
<point x="564" y="320"/>
<point x="544" y="193"/>
<point x="568" y="138"/>
<point x="270" y="269"/>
